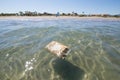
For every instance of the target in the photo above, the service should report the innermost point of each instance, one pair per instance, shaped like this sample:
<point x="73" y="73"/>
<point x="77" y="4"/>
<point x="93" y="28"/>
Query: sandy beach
<point x="54" y="17"/>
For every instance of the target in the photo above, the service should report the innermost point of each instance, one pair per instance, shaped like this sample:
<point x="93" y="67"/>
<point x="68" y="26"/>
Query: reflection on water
<point x="94" y="44"/>
<point x="66" y="70"/>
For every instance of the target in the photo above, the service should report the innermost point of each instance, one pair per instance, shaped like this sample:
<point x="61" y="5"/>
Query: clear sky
<point x="53" y="6"/>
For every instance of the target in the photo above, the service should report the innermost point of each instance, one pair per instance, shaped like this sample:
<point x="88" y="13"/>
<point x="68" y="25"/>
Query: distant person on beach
<point x="57" y="14"/>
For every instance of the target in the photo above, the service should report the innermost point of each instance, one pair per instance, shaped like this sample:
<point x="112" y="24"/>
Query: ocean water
<point x="94" y="44"/>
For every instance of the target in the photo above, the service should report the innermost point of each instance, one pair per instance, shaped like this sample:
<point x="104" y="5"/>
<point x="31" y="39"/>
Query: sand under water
<point x="94" y="44"/>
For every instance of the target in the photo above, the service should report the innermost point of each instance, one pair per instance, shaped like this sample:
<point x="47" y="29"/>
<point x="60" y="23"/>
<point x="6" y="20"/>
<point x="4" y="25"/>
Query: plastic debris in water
<point x="58" y="49"/>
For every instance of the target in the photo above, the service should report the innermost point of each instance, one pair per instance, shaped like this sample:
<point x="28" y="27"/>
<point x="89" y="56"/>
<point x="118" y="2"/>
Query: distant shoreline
<point x="54" y="17"/>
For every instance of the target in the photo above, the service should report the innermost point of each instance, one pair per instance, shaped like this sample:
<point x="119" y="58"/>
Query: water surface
<point x="94" y="44"/>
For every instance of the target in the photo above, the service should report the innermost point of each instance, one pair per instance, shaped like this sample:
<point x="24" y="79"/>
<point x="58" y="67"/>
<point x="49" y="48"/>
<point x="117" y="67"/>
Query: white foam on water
<point x="29" y="64"/>
<point x="79" y="41"/>
<point x="7" y="55"/>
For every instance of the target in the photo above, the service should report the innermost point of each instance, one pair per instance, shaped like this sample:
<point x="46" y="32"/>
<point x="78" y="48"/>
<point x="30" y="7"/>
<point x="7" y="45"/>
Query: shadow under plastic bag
<point x="66" y="70"/>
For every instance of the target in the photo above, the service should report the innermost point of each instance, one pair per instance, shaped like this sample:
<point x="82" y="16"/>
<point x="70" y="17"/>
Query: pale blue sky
<point x="53" y="6"/>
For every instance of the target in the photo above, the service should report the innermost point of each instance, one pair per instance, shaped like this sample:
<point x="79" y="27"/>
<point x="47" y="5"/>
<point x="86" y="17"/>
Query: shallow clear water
<point x="94" y="44"/>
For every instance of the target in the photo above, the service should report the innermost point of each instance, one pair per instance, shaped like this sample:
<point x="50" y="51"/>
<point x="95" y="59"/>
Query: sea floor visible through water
<point x="94" y="44"/>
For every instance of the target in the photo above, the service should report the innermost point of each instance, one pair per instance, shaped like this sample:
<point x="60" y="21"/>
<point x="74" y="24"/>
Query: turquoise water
<point x="94" y="44"/>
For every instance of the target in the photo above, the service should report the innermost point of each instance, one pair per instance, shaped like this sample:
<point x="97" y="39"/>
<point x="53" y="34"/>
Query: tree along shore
<point x="29" y="13"/>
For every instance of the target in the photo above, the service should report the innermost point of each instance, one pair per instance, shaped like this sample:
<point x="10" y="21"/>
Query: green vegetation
<point x="35" y="13"/>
